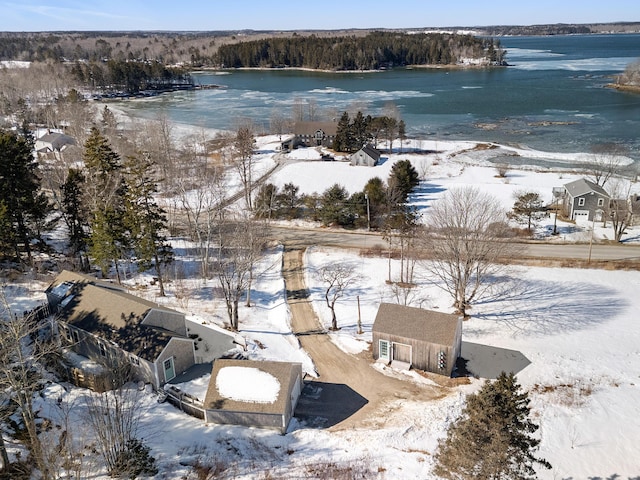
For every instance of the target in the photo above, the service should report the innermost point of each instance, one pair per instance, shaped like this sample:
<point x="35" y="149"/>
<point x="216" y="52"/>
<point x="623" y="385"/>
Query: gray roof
<point x="310" y="128"/>
<point x="371" y="151"/>
<point x="106" y="311"/>
<point x="282" y="371"/>
<point x="416" y="323"/>
<point x="56" y="140"/>
<point x="583" y="186"/>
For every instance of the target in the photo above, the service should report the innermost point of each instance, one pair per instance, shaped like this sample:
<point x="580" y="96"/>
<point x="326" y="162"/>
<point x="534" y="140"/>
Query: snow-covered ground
<point x="578" y="328"/>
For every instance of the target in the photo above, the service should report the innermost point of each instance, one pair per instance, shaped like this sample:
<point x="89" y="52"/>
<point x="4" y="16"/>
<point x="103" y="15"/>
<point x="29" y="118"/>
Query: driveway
<point x="348" y="393"/>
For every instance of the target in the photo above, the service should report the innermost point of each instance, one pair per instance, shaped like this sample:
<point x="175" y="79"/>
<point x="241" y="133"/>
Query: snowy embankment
<point x="578" y="328"/>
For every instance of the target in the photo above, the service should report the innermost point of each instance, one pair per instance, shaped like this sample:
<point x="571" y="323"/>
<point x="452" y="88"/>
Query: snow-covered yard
<point x="578" y="328"/>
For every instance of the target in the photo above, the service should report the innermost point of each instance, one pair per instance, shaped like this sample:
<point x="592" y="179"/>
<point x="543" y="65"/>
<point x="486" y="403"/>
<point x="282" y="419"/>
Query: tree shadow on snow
<point x="539" y="307"/>
<point x="423" y="194"/>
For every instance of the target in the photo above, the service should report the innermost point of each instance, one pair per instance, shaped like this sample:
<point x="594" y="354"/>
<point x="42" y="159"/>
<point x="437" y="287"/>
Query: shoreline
<point x="517" y="150"/>
<point x="624" y="88"/>
<point x="457" y="66"/>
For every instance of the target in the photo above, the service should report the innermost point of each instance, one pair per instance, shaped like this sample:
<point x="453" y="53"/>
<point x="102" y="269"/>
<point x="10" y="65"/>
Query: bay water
<point x="553" y="96"/>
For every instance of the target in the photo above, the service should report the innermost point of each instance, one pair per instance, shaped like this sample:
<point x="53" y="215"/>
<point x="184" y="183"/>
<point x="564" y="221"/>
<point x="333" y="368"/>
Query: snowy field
<point x="578" y="328"/>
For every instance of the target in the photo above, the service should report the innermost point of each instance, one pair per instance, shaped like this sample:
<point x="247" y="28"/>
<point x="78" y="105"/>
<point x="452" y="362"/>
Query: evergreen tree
<point x="334" y="208"/>
<point x="25" y="205"/>
<point x="103" y="170"/>
<point x="492" y="438"/>
<point x="290" y="199"/>
<point x="108" y="240"/>
<point x="342" y="141"/>
<point x="145" y="220"/>
<point x="360" y="132"/>
<point x="402" y="133"/>
<point x="265" y="203"/>
<point x="75" y="213"/>
<point x="376" y="191"/>
<point x="105" y="194"/>
<point x="402" y="180"/>
<point x="528" y="209"/>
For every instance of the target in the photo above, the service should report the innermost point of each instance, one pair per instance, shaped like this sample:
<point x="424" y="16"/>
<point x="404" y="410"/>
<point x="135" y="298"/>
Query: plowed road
<point x="299" y="237"/>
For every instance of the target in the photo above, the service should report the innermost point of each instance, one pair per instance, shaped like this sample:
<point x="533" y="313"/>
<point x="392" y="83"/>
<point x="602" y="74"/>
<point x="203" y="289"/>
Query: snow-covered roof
<point x="255" y="385"/>
<point x="251" y="386"/>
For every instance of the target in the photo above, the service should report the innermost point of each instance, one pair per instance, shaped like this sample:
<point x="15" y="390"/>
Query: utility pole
<point x="593" y="226"/>
<point x="366" y="196"/>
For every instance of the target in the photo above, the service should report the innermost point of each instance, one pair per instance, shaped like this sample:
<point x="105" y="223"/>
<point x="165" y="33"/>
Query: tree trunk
<point x="4" y="457"/>
<point x="115" y="262"/>
<point x="234" y="322"/>
<point x="159" y="273"/>
<point x="334" y="320"/>
<point x="248" y="304"/>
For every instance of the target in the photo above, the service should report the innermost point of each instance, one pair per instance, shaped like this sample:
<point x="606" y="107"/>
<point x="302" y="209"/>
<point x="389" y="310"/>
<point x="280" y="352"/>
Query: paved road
<point x="301" y="238"/>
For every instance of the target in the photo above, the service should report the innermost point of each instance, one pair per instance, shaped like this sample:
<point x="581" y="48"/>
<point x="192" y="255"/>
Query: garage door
<point x="581" y="215"/>
<point x="402" y="352"/>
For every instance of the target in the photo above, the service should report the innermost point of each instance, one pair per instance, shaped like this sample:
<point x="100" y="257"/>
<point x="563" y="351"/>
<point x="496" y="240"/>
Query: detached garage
<point x="414" y="337"/>
<point x="253" y="393"/>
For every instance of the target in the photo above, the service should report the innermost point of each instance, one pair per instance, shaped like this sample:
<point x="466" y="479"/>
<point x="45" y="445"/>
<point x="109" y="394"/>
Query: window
<point x="601" y="202"/>
<point x="384" y="349"/>
<point x="581" y="202"/>
<point x="103" y="349"/>
<point x="76" y="336"/>
<point x="169" y="370"/>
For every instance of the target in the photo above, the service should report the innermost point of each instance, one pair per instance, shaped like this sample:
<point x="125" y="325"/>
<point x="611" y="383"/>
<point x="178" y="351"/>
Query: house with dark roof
<point x="52" y="142"/>
<point x="408" y="337"/>
<point x="311" y="134"/>
<point x="104" y="323"/>
<point x="250" y="393"/>
<point x="367" y="156"/>
<point x="584" y="200"/>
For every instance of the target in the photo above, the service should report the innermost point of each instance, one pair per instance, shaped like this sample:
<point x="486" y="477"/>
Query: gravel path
<point x="356" y="392"/>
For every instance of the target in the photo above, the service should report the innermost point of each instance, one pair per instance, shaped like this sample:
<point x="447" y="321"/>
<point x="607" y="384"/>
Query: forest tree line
<point x="374" y="51"/>
<point x="129" y="76"/>
<point x="319" y="50"/>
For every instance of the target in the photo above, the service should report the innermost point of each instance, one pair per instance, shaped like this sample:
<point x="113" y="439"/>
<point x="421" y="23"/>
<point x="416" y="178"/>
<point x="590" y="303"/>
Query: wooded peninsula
<point x="375" y="51"/>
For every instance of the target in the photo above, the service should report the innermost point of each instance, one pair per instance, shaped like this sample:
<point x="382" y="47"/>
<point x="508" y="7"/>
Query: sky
<point x="190" y="15"/>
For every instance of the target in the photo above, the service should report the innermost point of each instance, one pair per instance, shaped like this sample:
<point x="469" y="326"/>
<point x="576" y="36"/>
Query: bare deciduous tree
<point x="241" y="245"/>
<point x="619" y="209"/>
<point x="24" y="349"/>
<point x="244" y="148"/>
<point x="336" y="278"/>
<point x="465" y="242"/>
<point x="278" y="123"/>
<point x="114" y="417"/>
<point x="607" y="161"/>
<point x="202" y="206"/>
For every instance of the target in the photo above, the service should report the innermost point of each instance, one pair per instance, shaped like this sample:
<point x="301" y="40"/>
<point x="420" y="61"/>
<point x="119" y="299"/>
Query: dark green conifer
<point x="492" y="438"/>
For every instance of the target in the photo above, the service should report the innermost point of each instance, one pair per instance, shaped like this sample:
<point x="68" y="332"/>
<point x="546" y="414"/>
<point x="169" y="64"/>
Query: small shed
<point x="260" y="394"/>
<point x="367" y="156"/>
<point x="414" y="337"/>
